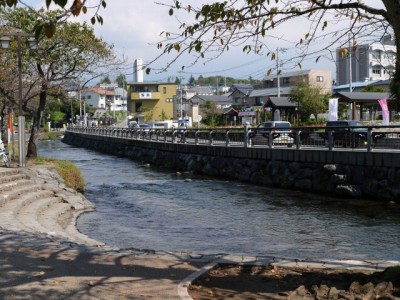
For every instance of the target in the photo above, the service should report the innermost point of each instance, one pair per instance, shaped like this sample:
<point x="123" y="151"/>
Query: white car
<point x="280" y="131"/>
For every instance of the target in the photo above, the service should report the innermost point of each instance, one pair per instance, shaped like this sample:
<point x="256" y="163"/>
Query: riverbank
<point x="44" y="257"/>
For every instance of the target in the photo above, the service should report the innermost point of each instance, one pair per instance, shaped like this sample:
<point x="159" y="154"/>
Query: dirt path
<point x="260" y="282"/>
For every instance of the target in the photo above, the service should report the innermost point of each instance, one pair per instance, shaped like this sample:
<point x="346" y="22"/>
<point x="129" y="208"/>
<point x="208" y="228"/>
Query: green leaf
<point x="38" y="30"/>
<point x="61" y="3"/>
<point x="148" y="71"/>
<point x="48" y="2"/>
<point x="93" y="20"/>
<point x="171" y="11"/>
<point x="299" y="65"/>
<point x="104" y="4"/>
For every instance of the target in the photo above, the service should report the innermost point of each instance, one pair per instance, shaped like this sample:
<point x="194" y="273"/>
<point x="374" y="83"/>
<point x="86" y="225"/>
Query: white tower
<point x="138" y="70"/>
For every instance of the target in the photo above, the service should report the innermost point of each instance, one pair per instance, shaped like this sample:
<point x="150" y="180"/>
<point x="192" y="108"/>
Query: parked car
<point x="144" y="127"/>
<point x="280" y="131"/>
<point x="133" y="124"/>
<point x="347" y="133"/>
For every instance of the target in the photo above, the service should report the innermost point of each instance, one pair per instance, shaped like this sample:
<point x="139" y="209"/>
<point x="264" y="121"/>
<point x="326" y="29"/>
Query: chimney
<point x="138" y="70"/>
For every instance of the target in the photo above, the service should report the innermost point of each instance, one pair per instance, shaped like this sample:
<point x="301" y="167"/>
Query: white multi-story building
<point x="114" y="99"/>
<point x="374" y="61"/>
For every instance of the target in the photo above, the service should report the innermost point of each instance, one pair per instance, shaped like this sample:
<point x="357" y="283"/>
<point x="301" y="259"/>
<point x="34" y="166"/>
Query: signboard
<point x="145" y="95"/>
<point x="247" y="113"/>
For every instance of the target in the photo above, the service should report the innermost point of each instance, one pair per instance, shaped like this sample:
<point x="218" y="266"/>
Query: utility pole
<point x="350" y="67"/>
<point x="181" y="98"/>
<point x="278" y="85"/>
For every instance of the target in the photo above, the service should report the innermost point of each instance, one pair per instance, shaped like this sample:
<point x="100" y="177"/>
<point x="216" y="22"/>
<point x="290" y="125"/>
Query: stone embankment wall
<point x="356" y="174"/>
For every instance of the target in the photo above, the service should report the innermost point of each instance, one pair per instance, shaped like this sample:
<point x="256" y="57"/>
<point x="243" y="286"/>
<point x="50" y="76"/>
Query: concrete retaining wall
<point x="343" y="173"/>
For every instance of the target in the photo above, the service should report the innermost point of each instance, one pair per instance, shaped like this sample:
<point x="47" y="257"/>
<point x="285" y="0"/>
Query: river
<point x="138" y="206"/>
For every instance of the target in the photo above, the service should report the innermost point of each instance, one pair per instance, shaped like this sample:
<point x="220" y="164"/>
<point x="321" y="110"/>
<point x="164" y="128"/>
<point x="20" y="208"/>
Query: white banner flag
<point x="333" y="109"/>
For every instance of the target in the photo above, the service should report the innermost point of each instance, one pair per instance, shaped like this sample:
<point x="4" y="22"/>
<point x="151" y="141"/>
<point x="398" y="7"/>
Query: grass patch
<point x="51" y="135"/>
<point x="68" y="171"/>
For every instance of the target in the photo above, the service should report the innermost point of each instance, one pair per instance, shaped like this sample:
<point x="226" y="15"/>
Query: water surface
<point x="142" y="207"/>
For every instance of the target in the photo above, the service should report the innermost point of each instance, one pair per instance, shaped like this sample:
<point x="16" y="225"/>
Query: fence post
<point x="210" y="138"/>
<point x="196" y="137"/>
<point x="298" y="141"/>
<point x="246" y="134"/>
<point x="173" y="136"/>
<point x="369" y="139"/>
<point x="227" y="141"/>
<point x="330" y="140"/>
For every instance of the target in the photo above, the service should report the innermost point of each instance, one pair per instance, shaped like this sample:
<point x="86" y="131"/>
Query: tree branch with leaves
<point x="254" y="25"/>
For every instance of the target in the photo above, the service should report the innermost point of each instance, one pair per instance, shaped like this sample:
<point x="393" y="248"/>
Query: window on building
<point x="376" y="71"/>
<point x="168" y="100"/>
<point x="88" y="96"/>
<point x="285" y="80"/>
<point x="164" y="90"/>
<point x="320" y="78"/>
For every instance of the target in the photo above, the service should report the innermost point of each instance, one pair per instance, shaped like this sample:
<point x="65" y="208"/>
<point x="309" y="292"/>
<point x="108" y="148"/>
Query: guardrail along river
<point x="144" y="208"/>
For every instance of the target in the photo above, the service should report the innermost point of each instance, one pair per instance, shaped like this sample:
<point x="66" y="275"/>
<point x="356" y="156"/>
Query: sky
<point x="134" y="28"/>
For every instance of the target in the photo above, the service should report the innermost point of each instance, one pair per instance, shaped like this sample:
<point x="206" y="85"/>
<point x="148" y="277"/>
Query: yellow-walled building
<point x="151" y="101"/>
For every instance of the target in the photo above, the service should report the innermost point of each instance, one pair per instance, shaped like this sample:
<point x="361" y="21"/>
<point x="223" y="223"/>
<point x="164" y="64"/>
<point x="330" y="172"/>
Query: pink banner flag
<point x="385" y="111"/>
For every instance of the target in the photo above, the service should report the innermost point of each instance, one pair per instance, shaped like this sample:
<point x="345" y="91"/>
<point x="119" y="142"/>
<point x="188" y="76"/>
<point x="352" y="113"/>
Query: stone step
<point x="12" y="177"/>
<point x="49" y="217"/>
<point x="19" y="192"/>
<point x="4" y="172"/>
<point x="9" y="210"/>
<point x="28" y="215"/>
<point x="7" y="186"/>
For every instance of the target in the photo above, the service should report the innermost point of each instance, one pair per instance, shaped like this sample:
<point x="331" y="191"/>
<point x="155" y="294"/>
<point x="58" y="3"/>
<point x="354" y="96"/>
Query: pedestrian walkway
<point x="43" y="257"/>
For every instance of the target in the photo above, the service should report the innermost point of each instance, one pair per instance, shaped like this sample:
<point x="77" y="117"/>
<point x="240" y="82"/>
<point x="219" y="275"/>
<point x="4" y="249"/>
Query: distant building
<point x="152" y="101"/>
<point x="313" y="77"/>
<point x="221" y="103"/>
<point x="374" y="61"/>
<point x="239" y="94"/>
<point x="97" y="97"/>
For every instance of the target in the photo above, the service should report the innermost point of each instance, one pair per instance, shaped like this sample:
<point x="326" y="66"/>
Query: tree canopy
<point x="309" y="99"/>
<point x="74" y="53"/>
<point x="47" y="23"/>
<point x="254" y="24"/>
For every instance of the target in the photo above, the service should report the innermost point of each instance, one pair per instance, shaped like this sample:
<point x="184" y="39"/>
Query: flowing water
<point x="141" y="207"/>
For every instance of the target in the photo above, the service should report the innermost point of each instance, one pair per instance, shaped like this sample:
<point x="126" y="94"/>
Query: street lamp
<point x="32" y="43"/>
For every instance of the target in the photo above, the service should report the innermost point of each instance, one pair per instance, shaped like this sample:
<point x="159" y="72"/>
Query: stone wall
<point x="370" y="175"/>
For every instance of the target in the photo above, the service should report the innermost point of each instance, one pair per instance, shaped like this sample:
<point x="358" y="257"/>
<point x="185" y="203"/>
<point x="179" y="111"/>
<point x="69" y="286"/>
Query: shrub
<point x="68" y="171"/>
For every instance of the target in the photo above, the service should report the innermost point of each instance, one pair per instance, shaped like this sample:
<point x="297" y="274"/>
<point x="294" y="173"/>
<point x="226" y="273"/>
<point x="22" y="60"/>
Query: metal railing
<point x="364" y="138"/>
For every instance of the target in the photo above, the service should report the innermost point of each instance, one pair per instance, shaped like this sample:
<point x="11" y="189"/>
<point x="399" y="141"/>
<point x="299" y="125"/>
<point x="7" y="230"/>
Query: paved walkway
<point x="43" y="256"/>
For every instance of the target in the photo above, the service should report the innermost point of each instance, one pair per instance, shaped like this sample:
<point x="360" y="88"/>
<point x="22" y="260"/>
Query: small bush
<point x="68" y="171"/>
<point x="71" y="174"/>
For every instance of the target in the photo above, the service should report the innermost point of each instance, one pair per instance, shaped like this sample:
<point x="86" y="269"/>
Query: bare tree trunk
<point x="393" y="13"/>
<point x="35" y="130"/>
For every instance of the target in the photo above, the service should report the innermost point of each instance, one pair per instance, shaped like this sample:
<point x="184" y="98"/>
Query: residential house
<point x="239" y="94"/>
<point x="187" y="93"/>
<point x="375" y="61"/>
<point x="103" y="102"/>
<point x="152" y="101"/>
<point x="221" y="103"/>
